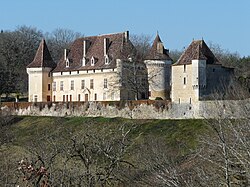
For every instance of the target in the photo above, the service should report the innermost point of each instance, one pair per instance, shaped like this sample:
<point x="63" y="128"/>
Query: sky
<point x="222" y="22"/>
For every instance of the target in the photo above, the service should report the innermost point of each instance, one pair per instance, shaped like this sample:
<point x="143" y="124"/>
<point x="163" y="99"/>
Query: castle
<point x="103" y="68"/>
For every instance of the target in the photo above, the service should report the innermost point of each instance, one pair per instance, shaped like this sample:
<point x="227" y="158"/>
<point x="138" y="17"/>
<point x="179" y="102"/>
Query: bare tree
<point x="60" y="39"/>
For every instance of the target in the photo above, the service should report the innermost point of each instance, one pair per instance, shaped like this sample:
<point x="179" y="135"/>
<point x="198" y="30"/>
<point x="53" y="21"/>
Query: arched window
<point x="92" y="61"/>
<point x="106" y="59"/>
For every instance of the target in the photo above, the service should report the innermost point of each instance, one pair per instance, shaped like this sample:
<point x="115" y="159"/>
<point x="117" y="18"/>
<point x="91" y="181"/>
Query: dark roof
<point x="43" y="57"/>
<point x="119" y="47"/>
<point x="158" y="54"/>
<point x="197" y="50"/>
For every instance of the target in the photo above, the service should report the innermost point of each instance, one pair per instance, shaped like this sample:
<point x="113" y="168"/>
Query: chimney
<point x="86" y="44"/>
<point x="105" y="45"/>
<point x="160" y="48"/>
<point x="126" y="36"/>
<point x="65" y="54"/>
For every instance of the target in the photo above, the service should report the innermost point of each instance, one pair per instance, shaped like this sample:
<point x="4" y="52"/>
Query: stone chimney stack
<point x="65" y="54"/>
<point x="160" y="48"/>
<point x="126" y="36"/>
<point x="86" y="44"/>
<point x="105" y="46"/>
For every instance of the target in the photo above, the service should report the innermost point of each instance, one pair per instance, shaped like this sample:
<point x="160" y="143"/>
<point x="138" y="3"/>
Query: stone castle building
<point x="198" y="75"/>
<point x="103" y="68"/>
<point x="95" y="68"/>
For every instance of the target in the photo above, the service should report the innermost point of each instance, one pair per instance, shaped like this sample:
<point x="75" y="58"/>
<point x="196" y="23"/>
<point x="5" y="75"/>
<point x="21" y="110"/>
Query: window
<point x="54" y="98"/>
<point x="91" y="83"/>
<point x="67" y="63"/>
<point x="179" y="100"/>
<point x="79" y="97"/>
<point x="48" y="87"/>
<point x="70" y="98"/>
<point x="83" y="84"/>
<point x="184" y="81"/>
<point x="35" y="98"/>
<point x="67" y="98"/>
<point x="61" y="85"/>
<point x="63" y="98"/>
<point x="105" y="83"/>
<point x="95" y="96"/>
<point x="54" y="86"/>
<point x="92" y="61"/>
<point x="190" y="100"/>
<point x="104" y="96"/>
<point x="106" y="59"/>
<point x="184" y="68"/>
<point x="72" y="85"/>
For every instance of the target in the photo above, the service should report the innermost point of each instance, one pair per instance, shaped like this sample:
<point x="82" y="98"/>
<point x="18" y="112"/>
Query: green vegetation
<point x="32" y="137"/>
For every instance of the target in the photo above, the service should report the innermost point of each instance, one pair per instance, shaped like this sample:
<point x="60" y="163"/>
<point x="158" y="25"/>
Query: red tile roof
<point x="119" y="47"/>
<point x="155" y="54"/>
<point x="43" y="57"/>
<point x="197" y="50"/>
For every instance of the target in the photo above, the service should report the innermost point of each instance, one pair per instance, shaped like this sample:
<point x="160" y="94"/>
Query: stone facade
<point x="102" y="68"/>
<point x="96" y="68"/>
<point x="158" y="65"/>
<point x="198" y="75"/>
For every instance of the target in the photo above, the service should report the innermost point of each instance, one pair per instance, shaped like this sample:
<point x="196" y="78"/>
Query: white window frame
<point x="61" y="85"/>
<point x="72" y="84"/>
<point x="105" y="83"/>
<point x="82" y="84"/>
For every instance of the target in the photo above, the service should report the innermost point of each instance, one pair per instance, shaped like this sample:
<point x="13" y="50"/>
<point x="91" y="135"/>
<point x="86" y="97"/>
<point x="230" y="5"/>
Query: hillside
<point x="85" y="151"/>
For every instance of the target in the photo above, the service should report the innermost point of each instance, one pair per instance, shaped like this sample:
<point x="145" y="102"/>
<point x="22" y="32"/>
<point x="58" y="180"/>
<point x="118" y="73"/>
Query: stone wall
<point x="146" y="109"/>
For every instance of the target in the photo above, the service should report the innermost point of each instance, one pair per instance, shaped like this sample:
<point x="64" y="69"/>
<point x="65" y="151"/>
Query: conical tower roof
<point x="42" y="57"/>
<point x="157" y="51"/>
<point x="197" y="50"/>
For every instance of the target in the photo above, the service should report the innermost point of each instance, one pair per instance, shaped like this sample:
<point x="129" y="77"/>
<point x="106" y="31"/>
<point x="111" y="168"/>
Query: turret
<point x="158" y="65"/>
<point x="40" y="78"/>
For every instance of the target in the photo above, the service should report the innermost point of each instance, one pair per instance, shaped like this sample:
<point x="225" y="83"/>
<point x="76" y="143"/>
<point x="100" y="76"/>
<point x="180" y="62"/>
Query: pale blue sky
<point x="224" y="22"/>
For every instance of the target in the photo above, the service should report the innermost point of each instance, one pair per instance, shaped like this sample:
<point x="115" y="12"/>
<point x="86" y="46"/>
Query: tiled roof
<point x="118" y="47"/>
<point x="158" y="54"/>
<point x="43" y="57"/>
<point x="197" y="50"/>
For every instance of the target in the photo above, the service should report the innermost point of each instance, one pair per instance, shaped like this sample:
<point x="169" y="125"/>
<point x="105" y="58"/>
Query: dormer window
<point x="67" y="63"/>
<point x="106" y="59"/>
<point x="92" y="61"/>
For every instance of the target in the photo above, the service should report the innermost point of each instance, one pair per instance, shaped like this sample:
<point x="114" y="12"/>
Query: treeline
<point x="18" y="48"/>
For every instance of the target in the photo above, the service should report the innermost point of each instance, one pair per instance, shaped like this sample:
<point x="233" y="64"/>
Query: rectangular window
<point x="91" y="83"/>
<point x="95" y="96"/>
<point x="70" y="98"/>
<point x="61" y="85"/>
<point x="54" y="86"/>
<point x="83" y="84"/>
<point x="48" y="87"/>
<point x="35" y="98"/>
<point x="63" y="98"/>
<point x="72" y="85"/>
<point x="184" y="81"/>
<point x="105" y="83"/>
<point x="79" y="97"/>
<point x="184" y="68"/>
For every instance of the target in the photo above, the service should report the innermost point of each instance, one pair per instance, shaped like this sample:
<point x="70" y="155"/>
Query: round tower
<point x="158" y="65"/>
